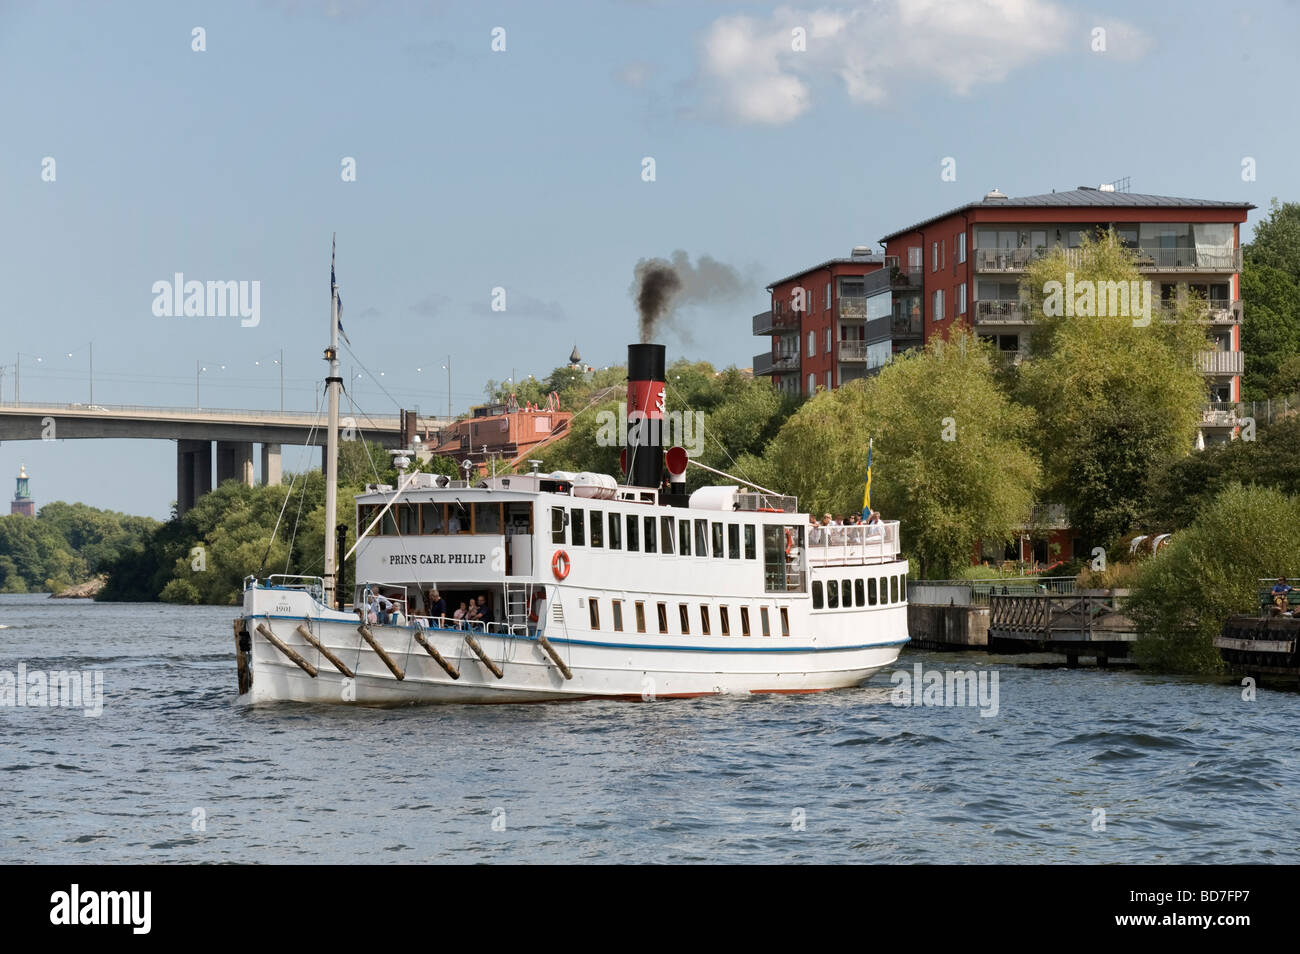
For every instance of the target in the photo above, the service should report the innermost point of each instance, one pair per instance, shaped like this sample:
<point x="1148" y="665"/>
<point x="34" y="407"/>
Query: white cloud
<point x="751" y="72"/>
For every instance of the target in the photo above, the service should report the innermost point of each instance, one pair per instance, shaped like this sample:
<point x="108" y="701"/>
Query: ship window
<point x="387" y="526"/>
<point x="366" y="514"/>
<point x="858" y="593"/>
<point x="557" y="524"/>
<point x="717" y="541"/>
<point x="408" y="518"/>
<point x="871" y="591"/>
<point x="618" y="615"/>
<point x="785" y="621"/>
<point x="744" y="621"/>
<point x="704" y="618"/>
<point x="615" y="532"/>
<point x="684" y="535"/>
<point x="832" y="594"/>
<point x="597" y="529"/>
<point x="431" y="518"/>
<point x="701" y="538"/>
<point x="666" y="534"/>
<point x="640" y="617"/>
<point x="458" y="518"/>
<point x="593" y="610"/>
<point x="724" y="617"/>
<point x="733" y="541"/>
<point x="663" y="617"/>
<point x="817" y="594"/>
<point x="578" y="526"/>
<point x="487" y="518"/>
<point x="632" y="544"/>
<point x="766" y="623"/>
<point x="847" y="591"/>
<point x="650" y="535"/>
<point x="685" y="612"/>
<point x="902" y="586"/>
<point x="893" y="589"/>
<point x="751" y="546"/>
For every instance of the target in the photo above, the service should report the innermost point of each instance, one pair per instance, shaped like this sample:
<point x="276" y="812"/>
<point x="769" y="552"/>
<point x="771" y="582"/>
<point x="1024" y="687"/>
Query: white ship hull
<point x="620" y="666"/>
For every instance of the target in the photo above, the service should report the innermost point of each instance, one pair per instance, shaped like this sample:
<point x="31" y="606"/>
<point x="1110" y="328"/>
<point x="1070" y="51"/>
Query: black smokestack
<point x="661" y="285"/>
<point x="645" y="414"/>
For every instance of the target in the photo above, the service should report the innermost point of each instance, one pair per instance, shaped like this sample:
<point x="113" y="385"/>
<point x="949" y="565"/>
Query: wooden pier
<point x="1088" y="623"/>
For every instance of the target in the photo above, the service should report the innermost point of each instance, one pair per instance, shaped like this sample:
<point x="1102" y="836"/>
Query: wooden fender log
<point x="555" y="657"/>
<point x="293" y="656"/>
<point x="337" y="663"/>
<point x="478" y="651"/>
<point x="379" y="651"/>
<point x="437" y="656"/>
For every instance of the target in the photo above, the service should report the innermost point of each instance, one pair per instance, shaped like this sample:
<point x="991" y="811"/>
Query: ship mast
<point x="332" y="385"/>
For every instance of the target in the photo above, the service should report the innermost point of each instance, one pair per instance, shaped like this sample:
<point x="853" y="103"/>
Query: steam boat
<point x="590" y="587"/>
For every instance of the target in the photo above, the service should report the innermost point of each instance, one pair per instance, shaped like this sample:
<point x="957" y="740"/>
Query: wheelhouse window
<point x="650" y="544"/>
<point x="578" y="526"/>
<point x="663" y="617"/>
<point x="640" y="617"/>
<point x="458" y="518"/>
<point x="615" y="531"/>
<point x="409" y="520"/>
<point x="733" y="541"/>
<point x="684" y="535"/>
<point x="744" y="621"/>
<point x="632" y="543"/>
<point x="431" y="520"/>
<point x="557" y="525"/>
<point x="701" y="538"/>
<point x="717" y="541"/>
<point x="817" y="594"/>
<point x="388" y="525"/>
<point x="618" y="615"/>
<point x="593" y="612"/>
<point x="597" y="529"/>
<point x="487" y="518"/>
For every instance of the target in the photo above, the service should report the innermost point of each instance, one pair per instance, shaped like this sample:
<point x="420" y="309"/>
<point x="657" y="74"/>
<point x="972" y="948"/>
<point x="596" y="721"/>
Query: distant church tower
<point x="575" y="359"/>
<point x="22" y="502"/>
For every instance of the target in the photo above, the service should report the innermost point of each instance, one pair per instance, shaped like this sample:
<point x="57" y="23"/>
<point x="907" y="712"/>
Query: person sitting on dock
<point x="1281" y="589"/>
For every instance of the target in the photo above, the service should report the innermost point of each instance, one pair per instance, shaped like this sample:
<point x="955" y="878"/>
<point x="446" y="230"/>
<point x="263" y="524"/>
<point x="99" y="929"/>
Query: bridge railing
<point x="307" y="416"/>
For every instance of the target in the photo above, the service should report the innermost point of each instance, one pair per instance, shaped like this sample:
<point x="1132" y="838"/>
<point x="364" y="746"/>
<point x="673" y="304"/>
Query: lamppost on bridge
<point x="198" y="370"/>
<point x="280" y="362"/>
<point x="18" y="373"/>
<point x="90" y="348"/>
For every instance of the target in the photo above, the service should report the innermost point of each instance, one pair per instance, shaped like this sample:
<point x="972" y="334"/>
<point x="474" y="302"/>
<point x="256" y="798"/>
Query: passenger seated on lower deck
<point x="1281" y="595"/>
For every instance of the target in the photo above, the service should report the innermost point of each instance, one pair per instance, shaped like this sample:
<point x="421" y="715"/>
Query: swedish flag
<point x="866" y="492"/>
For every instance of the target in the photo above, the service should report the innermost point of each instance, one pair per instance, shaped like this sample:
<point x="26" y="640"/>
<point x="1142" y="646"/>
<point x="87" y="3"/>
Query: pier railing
<point x="979" y="592"/>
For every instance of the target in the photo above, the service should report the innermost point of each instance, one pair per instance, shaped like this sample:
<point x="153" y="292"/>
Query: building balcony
<point x="1220" y="414"/>
<point x="1220" y="362"/>
<point x="902" y="327"/>
<point x="1148" y="258"/>
<point x="853" y="351"/>
<point x="780" y="363"/>
<point x="766" y="323"/>
<point x="1001" y="313"/>
<point x="852" y="309"/>
<point x="900" y="276"/>
<point x="1219" y="311"/>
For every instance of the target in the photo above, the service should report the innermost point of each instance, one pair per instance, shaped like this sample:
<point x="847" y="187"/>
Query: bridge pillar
<point x="271" y="464"/>
<point x="193" y="473"/>
<point x="235" y="461"/>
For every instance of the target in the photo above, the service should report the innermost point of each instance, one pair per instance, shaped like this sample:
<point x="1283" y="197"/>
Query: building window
<point x="943" y="253"/>
<point x="828" y="341"/>
<point x="812" y="344"/>
<point x="961" y="299"/>
<point x="936" y="307"/>
<point x="829" y="386"/>
<point x="812" y="383"/>
<point x="618" y="615"/>
<point x="826" y="305"/>
<point x="914" y="258"/>
<point x="593" y="611"/>
<point x="615" y="532"/>
<point x="685" y="613"/>
<point x="961" y="247"/>
<point x="640" y="617"/>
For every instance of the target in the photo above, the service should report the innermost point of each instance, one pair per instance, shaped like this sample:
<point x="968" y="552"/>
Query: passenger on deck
<point x="472" y="618"/>
<point x="436" y="607"/>
<point x="460" y="615"/>
<point x="453" y="523"/>
<point x="485" y="611"/>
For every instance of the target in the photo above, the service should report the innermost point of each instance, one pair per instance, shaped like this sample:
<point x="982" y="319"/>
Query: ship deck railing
<point x="313" y="585"/>
<point x="853" y="545"/>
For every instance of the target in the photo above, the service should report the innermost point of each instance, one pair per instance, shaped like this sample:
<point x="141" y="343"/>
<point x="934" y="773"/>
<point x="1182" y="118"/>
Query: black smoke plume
<point x="661" y="285"/>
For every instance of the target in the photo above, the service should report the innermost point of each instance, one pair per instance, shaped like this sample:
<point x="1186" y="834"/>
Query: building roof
<point x="1082" y="197"/>
<point x="873" y="259"/>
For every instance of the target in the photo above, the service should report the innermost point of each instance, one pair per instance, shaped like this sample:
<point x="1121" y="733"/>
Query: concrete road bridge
<point x="205" y="435"/>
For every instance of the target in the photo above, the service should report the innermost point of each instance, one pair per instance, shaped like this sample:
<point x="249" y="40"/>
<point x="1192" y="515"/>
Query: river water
<point x="1076" y="766"/>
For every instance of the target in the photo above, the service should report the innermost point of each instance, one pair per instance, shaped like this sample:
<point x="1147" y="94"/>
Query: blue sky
<point x="522" y="169"/>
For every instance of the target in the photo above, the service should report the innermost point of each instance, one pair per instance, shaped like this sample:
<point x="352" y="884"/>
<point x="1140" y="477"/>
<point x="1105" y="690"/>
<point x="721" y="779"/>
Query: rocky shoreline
<point x="81" y="591"/>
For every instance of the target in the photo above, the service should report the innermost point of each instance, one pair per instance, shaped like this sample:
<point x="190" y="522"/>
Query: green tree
<point x="1270" y="290"/>
<point x="952" y="458"/>
<point x="1210" y="571"/>
<point x="1115" y="398"/>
